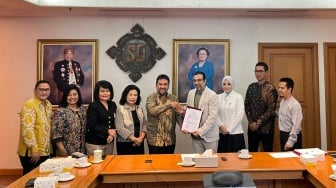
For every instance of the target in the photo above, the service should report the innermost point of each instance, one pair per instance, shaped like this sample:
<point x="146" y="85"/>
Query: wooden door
<point x="330" y="92"/>
<point x="298" y="61"/>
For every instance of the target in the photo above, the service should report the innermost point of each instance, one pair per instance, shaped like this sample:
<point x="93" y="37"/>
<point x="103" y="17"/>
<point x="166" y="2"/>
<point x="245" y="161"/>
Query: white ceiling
<point x="326" y="9"/>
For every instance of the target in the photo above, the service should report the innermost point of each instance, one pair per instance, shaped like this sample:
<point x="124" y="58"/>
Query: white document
<point x="192" y="119"/>
<point x="289" y="154"/>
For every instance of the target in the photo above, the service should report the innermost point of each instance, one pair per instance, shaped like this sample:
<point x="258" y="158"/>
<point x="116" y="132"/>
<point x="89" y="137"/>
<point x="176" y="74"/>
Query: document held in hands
<point x="192" y="119"/>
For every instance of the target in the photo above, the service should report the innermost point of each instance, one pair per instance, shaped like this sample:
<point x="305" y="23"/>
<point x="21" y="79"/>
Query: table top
<point x="164" y="167"/>
<point x="261" y="164"/>
<point x="321" y="173"/>
<point x="86" y="175"/>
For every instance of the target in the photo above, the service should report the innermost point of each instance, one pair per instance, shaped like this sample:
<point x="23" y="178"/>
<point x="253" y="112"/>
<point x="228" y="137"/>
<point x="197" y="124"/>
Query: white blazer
<point x="231" y="112"/>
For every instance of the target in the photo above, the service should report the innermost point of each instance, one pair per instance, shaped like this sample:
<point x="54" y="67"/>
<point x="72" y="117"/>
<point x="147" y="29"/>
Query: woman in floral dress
<point x="69" y="123"/>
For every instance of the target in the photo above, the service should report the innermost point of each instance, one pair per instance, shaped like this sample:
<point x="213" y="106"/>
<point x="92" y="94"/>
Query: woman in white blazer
<point x="230" y="116"/>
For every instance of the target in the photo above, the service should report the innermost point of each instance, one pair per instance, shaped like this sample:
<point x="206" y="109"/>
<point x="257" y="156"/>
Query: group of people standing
<point x="259" y="107"/>
<point x="75" y="128"/>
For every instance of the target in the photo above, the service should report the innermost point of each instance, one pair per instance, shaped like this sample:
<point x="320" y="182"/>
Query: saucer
<point x="95" y="162"/>
<point x="186" y="164"/>
<point x="82" y="166"/>
<point x="68" y="178"/>
<point x="245" y="157"/>
<point x="332" y="176"/>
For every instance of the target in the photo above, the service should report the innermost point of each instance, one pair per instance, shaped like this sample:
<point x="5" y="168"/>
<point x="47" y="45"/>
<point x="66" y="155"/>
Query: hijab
<point x="230" y="80"/>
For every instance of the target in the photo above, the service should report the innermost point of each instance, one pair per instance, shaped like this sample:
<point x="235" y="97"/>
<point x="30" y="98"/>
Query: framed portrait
<point x="68" y="61"/>
<point x="187" y="57"/>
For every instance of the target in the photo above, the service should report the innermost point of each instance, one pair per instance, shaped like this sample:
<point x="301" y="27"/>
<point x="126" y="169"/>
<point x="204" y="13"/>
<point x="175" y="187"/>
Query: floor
<point x="5" y="180"/>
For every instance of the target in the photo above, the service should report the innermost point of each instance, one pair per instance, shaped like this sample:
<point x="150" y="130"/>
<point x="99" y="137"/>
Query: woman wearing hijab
<point x="230" y="116"/>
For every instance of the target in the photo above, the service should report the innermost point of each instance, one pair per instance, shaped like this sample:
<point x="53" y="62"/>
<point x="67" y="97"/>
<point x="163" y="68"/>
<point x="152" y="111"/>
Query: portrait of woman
<point x="203" y="65"/>
<point x="210" y="56"/>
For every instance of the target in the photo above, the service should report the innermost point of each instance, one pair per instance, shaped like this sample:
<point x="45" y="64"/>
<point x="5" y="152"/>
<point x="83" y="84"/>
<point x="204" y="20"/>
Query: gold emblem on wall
<point x="136" y="52"/>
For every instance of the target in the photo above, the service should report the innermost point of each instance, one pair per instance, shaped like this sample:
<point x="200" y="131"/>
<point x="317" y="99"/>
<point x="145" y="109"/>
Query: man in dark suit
<point x="67" y="72"/>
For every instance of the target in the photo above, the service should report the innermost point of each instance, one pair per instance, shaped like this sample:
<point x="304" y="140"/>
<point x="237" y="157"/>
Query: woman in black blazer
<point x="101" y="130"/>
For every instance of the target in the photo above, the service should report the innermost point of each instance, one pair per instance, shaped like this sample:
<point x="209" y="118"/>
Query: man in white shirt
<point x="290" y="117"/>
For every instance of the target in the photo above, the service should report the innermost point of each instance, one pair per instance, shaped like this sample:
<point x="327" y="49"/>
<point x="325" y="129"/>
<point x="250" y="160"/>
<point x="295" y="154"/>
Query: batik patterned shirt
<point x="161" y="120"/>
<point x="35" y="126"/>
<point x="260" y="103"/>
<point x="69" y="127"/>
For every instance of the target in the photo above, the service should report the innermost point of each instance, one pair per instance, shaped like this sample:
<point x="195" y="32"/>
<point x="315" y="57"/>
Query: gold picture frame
<point x="184" y="53"/>
<point x="51" y="51"/>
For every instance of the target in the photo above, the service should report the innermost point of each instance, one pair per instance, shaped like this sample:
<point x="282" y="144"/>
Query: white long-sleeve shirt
<point x="290" y="118"/>
<point x="231" y="112"/>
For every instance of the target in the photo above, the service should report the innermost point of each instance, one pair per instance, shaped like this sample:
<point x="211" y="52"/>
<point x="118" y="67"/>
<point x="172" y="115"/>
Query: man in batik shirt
<point x="162" y="115"/>
<point x="260" y="103"/>
<point x="35" y="123"/>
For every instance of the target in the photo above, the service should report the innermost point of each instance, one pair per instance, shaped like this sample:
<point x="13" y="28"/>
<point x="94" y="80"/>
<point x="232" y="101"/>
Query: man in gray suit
<point x="207" y="135"/>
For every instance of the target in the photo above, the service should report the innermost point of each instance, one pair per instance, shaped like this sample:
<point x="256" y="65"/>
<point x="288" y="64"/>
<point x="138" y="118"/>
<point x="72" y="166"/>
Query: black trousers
<point x="284" y="137"/>
<point x="161" y="149"/>
<point x="28" y="165"/>
<point x="230" y="143"/>
<point x="127" y="148"/>
<point x="254" y="140"/>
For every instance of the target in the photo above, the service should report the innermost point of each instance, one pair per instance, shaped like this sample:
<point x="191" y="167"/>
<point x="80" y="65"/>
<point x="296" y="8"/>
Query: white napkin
<point x="207" y="153"/>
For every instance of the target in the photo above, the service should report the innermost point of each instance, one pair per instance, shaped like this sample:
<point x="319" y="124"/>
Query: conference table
<point x="147" y="170"/>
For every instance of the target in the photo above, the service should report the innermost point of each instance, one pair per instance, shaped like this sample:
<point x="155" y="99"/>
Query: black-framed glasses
<point x="43" y="89"/>
<point x="259" y="71"/>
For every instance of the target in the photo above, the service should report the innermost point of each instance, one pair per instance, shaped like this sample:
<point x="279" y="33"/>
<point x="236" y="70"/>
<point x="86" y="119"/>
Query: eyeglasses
<point x="43" y="89"/>
<point x="259" y="71"/>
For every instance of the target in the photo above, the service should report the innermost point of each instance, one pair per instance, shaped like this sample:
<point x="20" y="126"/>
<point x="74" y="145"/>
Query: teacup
<point x="57" y="170"/>
<point x="187" y="160"/>
<point x="243" y="153"/>
<point x="82" y="161"/>
<point x="64" y="175"/>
